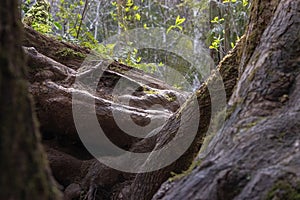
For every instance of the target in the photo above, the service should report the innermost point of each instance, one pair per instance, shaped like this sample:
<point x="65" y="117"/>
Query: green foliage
<point x="108" y="18"/>
<point x="67" y="24"/>
<point x="38" y="16"/>
<point x="127" y="55"/>
<point x="106" y="51"/>
<point x="126" y="15"/>
<point x="177" y="24"/>
<point x="227" y="24"/>
<point x="216" y="43"/>
<point x="25" y="6"/>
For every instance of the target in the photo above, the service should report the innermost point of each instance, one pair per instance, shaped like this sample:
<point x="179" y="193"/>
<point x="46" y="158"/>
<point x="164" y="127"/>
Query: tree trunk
<point x="251" y="144"/>
<point x="24" y="171"/>
<point x="256" y="153"/>
<point x="52" y="83"/>
<point x="145" y="185"/>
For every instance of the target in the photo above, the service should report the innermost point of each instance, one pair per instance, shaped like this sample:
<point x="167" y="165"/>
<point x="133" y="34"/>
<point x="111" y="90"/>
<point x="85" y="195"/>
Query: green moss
<point x="184" y="105"/>
<point x="251" y="41"/>
<point x="149" y="91"/>
<point x="216" y="124"/>
<point x="186" y="172"/>
<point x="67" y="52"/>
<point x="284" y="190"/>
<point x="249" y="125"/>
<point x="170" y="98"/>
<point x="280" y="136"/>
<point x="117" y="69"/>
<point x="252" y="74"/>
<point x="208" y="138"/>
<point x="230" y="110"/>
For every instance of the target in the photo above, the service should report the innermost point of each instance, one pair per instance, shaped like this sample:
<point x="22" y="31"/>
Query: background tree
<point x="24" y="172"/>
<point x="214" y="24"/>
<point x="227" y="19"/>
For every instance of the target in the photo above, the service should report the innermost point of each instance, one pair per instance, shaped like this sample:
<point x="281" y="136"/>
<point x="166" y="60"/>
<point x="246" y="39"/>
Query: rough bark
<point x="256" y="153"/>
<point x="146" y="184"/>
<point x="51" y="86"/>
<point x="228" y="68"/>
<point x="62" y="52"/>
<point x="51" y="83"/>
<point x="24" y="172"/>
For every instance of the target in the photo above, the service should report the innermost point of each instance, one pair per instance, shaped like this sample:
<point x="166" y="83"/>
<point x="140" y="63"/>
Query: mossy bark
<point x="255" y="155"/>
<point x="24" y="172"/>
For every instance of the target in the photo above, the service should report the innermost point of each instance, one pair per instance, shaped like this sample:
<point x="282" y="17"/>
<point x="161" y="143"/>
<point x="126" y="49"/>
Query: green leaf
<point x="232" y="44"/>
<point x="212" y="47"/>
<point x="135" y="8"/>
<point x="129" y="3"/>
<point x="138" y="16"/>
<point x="215" y="20"/>
<point x="110" y="46"/>
<point x="113" y="14"/>
<point x="58" y="25"/>
<point x="228" y="1"/>
<point x="245" y="3"/>
<point x="179" y="20"/>
<point x="145" y="26"/>
<point x="170" y="28"/>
